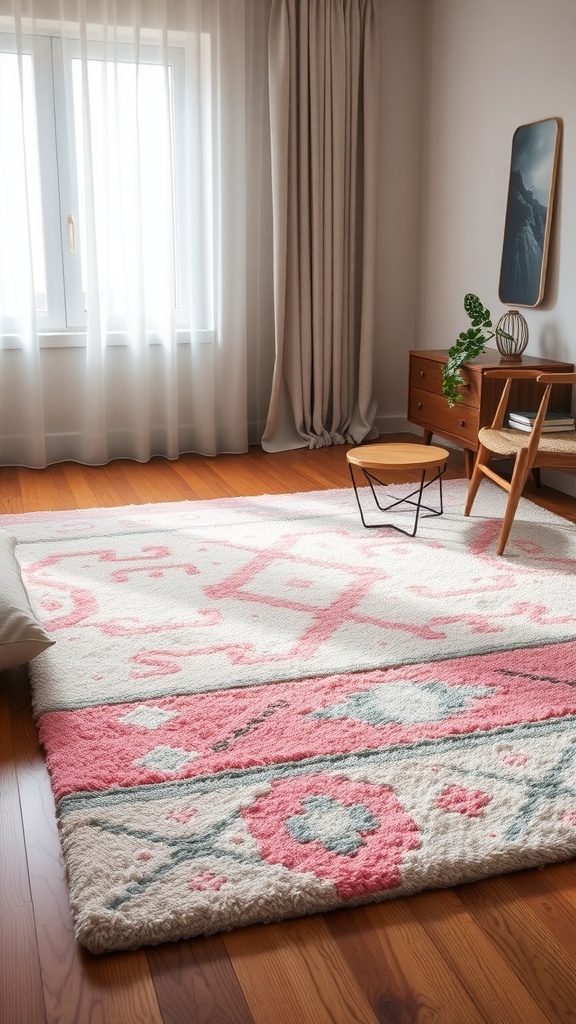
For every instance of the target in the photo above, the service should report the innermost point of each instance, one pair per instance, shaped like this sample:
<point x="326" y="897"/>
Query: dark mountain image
<point x="523" y="247"/>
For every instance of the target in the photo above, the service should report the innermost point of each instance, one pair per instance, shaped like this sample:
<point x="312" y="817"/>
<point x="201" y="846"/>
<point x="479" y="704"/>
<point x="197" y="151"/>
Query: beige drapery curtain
<point x="324" y="94"/>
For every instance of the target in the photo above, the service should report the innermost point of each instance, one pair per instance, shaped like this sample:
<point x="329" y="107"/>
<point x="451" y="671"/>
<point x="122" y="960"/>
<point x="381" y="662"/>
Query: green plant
<point x="470" y="343"/>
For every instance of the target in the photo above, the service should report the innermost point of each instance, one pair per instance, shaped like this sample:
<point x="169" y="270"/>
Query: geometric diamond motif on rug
<point x="147" y="718"/>
<point x="166" y="759"/>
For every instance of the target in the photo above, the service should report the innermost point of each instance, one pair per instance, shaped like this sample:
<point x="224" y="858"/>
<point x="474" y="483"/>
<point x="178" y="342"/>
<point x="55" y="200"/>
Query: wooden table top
<point x="397" y="456"/>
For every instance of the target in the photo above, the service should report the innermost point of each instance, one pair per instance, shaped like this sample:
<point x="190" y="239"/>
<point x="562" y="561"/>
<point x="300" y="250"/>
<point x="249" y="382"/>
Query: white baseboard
<point x="400" y="425"/>
<point x="395" y="425"/>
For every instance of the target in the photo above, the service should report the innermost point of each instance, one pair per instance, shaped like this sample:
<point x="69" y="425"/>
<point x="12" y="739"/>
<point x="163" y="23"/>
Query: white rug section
<point x="193" y="596"/>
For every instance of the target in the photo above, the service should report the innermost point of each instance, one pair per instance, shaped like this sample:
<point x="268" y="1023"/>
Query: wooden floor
<point x="501" y="951"/>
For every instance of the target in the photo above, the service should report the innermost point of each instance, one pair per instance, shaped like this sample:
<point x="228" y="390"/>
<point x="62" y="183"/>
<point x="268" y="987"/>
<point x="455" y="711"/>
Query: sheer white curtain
<point x="324" y="103"/>
<point x="123" y="229"/>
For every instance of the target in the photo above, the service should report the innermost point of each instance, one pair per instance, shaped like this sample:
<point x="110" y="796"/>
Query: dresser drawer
<point x="433" y="412"/>
<point x="426" y="375"/>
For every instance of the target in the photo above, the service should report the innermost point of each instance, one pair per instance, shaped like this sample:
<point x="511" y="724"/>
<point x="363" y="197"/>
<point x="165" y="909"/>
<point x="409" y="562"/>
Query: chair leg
<point x="481" y="459"/>
<point x="519" y="477"/>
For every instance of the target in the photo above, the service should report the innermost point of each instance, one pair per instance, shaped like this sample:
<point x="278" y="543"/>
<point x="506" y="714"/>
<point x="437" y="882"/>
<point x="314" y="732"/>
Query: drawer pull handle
<point x="422" y="374"/>
<point x="419" y="405"/>
<point x="462" y="423"/>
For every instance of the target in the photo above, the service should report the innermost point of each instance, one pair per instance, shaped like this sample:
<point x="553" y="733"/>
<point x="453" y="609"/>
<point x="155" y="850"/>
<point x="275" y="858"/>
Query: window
<point x="22" y="200"/>
<point x="101" y="197"/>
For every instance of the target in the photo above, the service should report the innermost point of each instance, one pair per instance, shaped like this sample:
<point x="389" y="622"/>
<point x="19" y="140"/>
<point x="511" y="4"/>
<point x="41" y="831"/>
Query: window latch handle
<point x="71" y="234"/>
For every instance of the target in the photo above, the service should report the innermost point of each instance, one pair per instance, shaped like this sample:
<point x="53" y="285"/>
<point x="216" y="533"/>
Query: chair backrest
<point x="548" y="379"/>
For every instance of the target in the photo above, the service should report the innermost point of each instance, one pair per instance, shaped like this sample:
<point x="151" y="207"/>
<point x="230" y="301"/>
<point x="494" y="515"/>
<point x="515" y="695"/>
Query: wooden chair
<point x="531" y="450"/>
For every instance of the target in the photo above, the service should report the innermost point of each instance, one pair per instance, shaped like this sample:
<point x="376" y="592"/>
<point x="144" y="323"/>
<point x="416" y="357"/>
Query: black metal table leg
<point x="372" y="479"/>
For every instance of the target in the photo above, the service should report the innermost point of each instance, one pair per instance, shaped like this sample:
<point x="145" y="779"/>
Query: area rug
<point x="257" y="709"/>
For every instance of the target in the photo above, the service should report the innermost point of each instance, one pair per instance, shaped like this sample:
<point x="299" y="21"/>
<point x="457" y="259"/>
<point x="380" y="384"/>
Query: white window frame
<point x="38" y="47"/>
<point x="65" y="322"/>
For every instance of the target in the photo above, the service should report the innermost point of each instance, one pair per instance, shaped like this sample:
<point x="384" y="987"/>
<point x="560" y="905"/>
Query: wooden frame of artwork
<point x="533" y="167"/>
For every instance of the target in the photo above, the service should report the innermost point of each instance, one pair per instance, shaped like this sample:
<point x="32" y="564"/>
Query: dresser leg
<point x="427" y="436"/>
<point x="469" y="457"/>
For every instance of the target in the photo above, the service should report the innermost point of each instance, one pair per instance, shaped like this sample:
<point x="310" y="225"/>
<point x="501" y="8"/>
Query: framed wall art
<point x="533" y="167"/>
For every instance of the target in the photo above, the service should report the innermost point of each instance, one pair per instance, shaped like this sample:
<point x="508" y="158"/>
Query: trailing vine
<point x="470" y="343"/>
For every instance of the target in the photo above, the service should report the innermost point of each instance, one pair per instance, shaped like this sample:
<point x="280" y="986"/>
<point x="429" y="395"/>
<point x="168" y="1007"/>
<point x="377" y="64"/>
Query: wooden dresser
<point x="428" y="408"/>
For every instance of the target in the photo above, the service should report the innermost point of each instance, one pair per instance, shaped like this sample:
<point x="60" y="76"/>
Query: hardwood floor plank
<point x="94" y="490"/>
<point x="9" y="483"/>
<point x="261" y="477"/>
<point x="21" y="995"/>
<point x="399" y="967"/>
<point x="294" y="972"/>
<point x="195" y="981"/>
<point x="567" y="872"/>
<point x="78" y="987"/>
<point x="202" y="482"/>
<point x="164" y="484"/>
<point x="497" y="989"/>
<point x="260" y="472"/>
<point x="525" y="945"/>
<point x="237" y="475"/>
<point x="101" y="490"/>
<point x="120" y="484"/>
<point x="570" y="865"/>
<point x="76" y="481"/>
<point x="20" y="498"/>
<point x="551" y="895"/>
<point x="45" y="490"/>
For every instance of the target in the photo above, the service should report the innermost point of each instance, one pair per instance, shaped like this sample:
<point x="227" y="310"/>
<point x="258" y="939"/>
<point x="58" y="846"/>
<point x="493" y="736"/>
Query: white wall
<point x="492" y="65"/>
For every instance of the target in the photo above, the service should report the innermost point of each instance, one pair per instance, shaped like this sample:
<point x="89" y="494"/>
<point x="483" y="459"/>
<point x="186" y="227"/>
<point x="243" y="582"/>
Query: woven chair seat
<point x="507" y="441"/>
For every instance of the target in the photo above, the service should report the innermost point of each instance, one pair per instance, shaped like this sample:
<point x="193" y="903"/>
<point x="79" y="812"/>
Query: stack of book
<point x="553" y="423"/>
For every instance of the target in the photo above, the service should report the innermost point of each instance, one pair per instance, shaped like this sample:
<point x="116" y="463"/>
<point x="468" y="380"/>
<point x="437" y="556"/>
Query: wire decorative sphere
<point x="514" y="324"/>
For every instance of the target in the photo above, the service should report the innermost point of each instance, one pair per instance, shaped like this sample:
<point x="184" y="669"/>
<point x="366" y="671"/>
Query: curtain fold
<point x="324" y="87"/>
<point x="149" y="355"/>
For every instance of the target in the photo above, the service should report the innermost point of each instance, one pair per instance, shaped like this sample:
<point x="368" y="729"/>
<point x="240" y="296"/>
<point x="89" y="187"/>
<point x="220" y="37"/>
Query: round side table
<point x="392" y="460"/>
